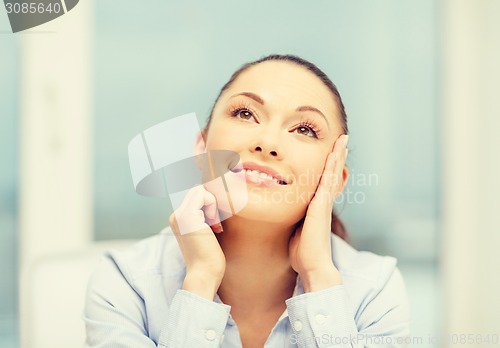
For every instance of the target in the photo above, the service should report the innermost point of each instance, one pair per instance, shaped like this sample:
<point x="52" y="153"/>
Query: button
<point x="210" y="335"/>
<point x="297" y="325"/>
<point x="320" y="319"/>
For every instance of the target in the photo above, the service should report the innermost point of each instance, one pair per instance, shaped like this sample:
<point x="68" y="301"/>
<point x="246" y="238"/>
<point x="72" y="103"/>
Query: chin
<point x="256" y="203"/>
<point x="265" y="210"/>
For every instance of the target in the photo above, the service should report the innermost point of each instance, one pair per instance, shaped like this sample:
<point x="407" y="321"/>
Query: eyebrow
<point x="300" y="108"/>
<point x="251" y="96"/>
<point x="313" y="109"/>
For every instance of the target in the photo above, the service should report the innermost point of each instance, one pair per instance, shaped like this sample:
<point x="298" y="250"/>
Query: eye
<point x="308" y="129"/>
<point x="242" y="113"/>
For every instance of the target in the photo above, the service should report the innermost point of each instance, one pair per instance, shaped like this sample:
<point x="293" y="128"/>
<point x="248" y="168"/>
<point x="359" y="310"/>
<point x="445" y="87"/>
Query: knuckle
<point x="171" y="219"/>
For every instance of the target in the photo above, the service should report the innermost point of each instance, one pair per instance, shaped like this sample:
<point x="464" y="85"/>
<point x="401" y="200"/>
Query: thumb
<point x="212" y="212"/>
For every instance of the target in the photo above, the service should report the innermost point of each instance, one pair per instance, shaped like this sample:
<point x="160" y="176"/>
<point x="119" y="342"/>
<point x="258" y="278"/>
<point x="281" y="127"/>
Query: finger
<point x="212" y="212"/>
<point x="209" y="208"/>
<point x="215" y="226"/>
<point x="320" y="205"/>
<point x="337" y="178"/>
<point x="332" y="174"/>
<point x="192" y="199"/>
<point x="190" y="215"/>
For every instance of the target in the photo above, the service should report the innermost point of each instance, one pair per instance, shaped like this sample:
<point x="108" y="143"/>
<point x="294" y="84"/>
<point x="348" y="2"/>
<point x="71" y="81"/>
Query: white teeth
<point x="260" y="175"/>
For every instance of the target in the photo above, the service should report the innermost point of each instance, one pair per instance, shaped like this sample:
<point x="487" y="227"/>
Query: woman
<point x="273" y="274"/>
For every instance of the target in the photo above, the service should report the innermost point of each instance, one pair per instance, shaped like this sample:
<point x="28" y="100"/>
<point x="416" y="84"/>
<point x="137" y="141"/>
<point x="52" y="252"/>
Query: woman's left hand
<point x="310" y="246"/>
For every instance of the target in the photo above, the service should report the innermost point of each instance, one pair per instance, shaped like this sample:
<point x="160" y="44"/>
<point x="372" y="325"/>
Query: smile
<point x="259" y="174"/>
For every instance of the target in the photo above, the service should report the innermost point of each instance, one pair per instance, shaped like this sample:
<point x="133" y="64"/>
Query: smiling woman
<point x="273" y="274"/>
<point x="311" y="121"/>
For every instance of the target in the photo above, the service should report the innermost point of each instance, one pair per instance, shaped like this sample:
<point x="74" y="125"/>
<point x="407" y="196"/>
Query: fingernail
<point x="220" y="227"/>
<point x="346" y="139"/>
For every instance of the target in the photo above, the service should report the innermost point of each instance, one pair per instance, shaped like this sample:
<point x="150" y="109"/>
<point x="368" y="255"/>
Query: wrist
<point x="201" y="284"/>
<point x="320" y="280"/>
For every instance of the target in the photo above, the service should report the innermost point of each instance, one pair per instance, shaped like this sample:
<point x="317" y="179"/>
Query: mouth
<point x="256" y="171"/>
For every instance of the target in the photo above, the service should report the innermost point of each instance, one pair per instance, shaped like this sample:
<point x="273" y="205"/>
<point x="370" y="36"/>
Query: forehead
<point x="281" y="83"/>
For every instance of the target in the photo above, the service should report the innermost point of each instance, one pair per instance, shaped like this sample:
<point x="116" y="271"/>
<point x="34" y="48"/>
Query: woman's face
<point x="281" y="116"/>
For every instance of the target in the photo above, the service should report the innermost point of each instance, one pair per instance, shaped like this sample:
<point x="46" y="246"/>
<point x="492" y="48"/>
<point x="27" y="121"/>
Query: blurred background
<point x="419" y="82"/>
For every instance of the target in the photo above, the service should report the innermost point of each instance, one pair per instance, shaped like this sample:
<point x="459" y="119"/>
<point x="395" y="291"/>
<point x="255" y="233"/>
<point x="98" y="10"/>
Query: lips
<point x="252" y="166"/>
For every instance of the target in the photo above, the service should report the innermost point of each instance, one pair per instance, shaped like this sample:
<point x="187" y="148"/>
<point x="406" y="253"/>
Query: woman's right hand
<point x="205" y="260"/>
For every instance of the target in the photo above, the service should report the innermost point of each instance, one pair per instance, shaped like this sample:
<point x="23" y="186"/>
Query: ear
<point x="345" y="176"/>
<point x="200" y="144"/>
<point x="199" y="149"/>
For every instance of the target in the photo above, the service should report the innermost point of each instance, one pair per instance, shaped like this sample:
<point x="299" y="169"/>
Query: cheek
<point x="221" y="137"/>
<point x="309" y="175"/>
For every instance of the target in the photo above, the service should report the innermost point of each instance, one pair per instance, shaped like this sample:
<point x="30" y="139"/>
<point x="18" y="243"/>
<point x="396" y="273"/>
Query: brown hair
<point x="337" y="226"/>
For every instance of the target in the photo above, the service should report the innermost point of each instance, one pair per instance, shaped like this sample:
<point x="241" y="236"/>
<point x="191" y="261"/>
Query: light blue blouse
<point x="135" y="299"/>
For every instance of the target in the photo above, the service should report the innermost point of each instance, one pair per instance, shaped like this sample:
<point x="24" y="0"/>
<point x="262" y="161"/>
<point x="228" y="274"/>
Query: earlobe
<point x="199" y="149"/>
<point x="200" y="144"/>
<point x="345" y="176"/>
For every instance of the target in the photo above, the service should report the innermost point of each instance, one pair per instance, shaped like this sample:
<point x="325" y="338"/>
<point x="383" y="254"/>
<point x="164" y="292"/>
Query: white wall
<point x="55" y="166"/>
<point x="471" y="169"/>
<point x="55" y="200"/>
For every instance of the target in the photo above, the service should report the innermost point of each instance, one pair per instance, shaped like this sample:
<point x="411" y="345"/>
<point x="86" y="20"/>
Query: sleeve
<point x="325" y="318"/>
<point x="115" y="315"/>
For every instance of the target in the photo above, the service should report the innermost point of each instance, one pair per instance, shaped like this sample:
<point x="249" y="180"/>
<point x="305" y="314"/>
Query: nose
<point x="268" y="144"/>
<point x="272" y="153"/>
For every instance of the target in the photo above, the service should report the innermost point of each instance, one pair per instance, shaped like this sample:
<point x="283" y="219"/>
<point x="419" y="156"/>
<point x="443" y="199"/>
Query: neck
<point x="258" y="271"/>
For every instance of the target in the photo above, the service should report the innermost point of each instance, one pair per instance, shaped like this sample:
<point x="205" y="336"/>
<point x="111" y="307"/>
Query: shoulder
<point x="131" y="289"/>
<point x="365" y="273"/>
<point x="158" y="255"/>
<point x="375" y="287"/>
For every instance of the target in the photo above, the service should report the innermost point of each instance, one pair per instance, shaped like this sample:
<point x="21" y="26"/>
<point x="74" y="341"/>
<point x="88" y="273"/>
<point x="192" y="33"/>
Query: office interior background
<point x="418" y="79"/>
